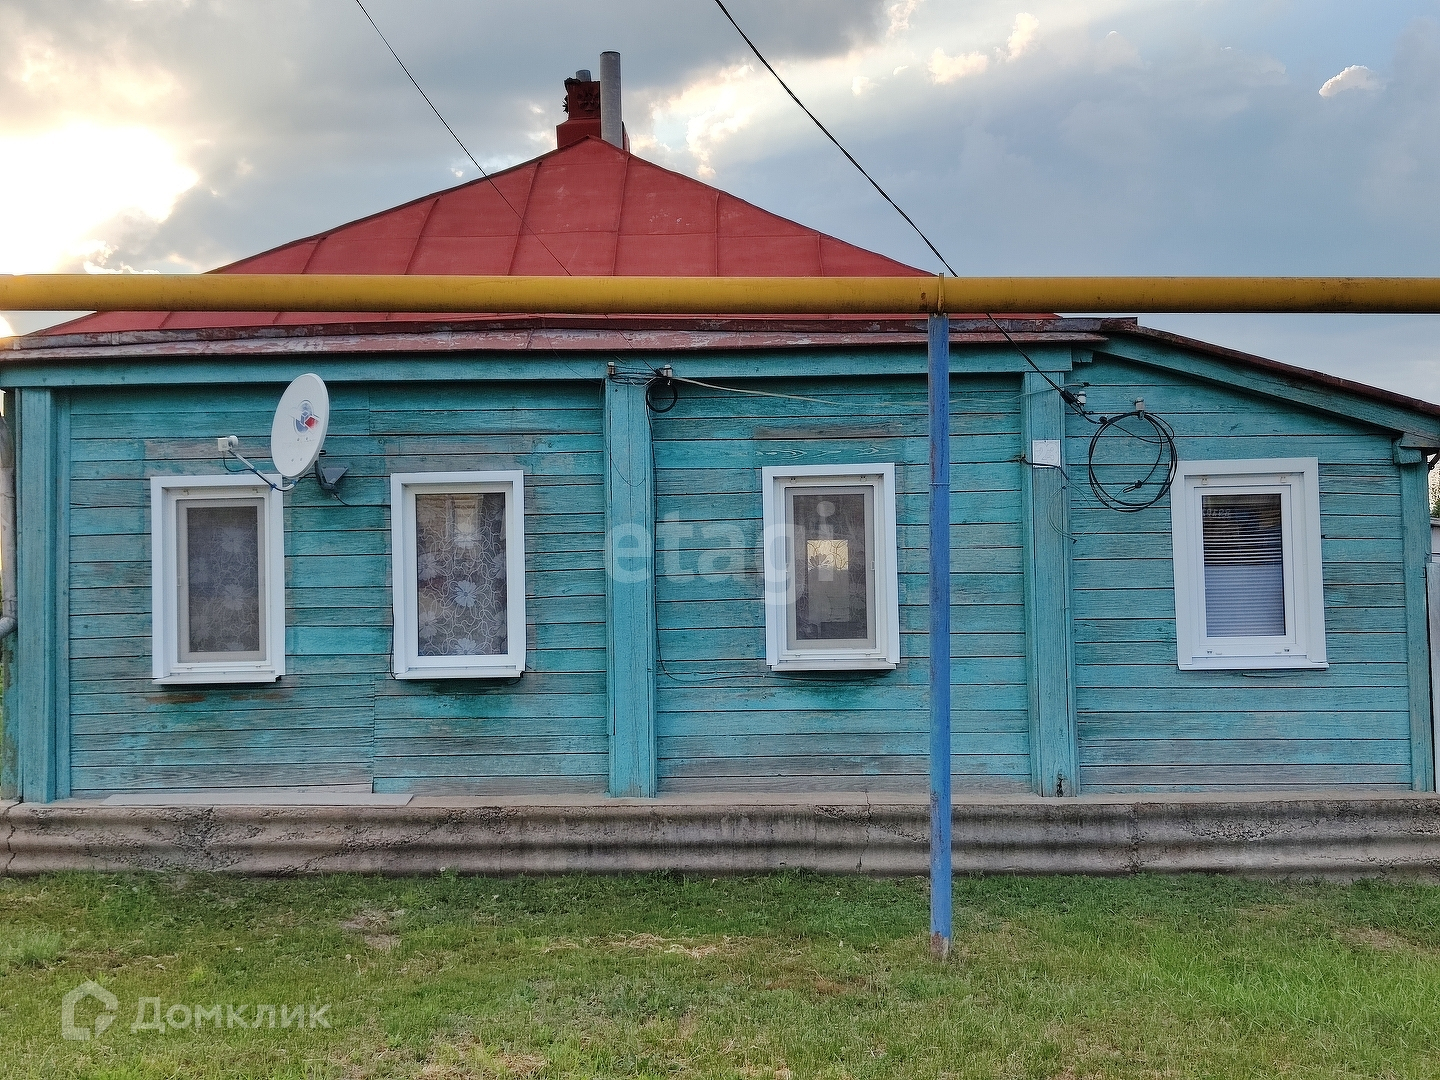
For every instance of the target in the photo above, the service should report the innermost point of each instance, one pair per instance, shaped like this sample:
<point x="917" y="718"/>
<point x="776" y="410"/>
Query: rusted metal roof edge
<point x="539" y="334"/>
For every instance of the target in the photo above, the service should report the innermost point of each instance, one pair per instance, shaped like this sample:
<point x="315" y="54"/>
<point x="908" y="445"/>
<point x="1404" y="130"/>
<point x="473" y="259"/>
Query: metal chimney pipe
<point x="612" y="129"/>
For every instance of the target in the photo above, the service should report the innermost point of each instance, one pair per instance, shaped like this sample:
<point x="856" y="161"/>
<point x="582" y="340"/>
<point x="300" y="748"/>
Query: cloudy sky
<point x="1027" y="137"/>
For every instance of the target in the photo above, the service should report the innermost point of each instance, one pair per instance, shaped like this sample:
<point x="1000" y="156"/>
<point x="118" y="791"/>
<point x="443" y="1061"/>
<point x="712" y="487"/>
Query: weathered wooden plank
<point x="630" y="608"/>
<point x="495" y="706"/>
<point x="156" y="745"/>
<point x="393" y="762"/>
<point x="828" y="764"/>
<point x="915" y="744"/>
<point x="593" y="784"/>
<point x="59" y="498"/>
<point x="1181" y="752"/>
<point x="259" y="752"/>
<point x="1143" y="677"/>
<point x="964" y="722"/>
<point x="1244" y="725"/>
<point x="1210" y="777"/>
<point x="1260" y="698"/>
<point x="906" y="783"/>
<point x="1415" y="503"/>
<point x="1236" y="724"/>
<point x="36" y="646"/>
<point x="1048" y="595"/>
<point x="94" y="781"/>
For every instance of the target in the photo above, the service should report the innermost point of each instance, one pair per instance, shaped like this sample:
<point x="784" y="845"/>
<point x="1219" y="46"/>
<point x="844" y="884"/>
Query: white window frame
<point x="408" y="663"/>
<point x="166" y="494"/>
<point x="1297" y="481"/>
<point x="885" y="654"/>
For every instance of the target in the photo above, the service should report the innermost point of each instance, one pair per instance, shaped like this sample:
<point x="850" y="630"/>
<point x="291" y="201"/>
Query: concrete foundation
<point x="1275" y="836"/>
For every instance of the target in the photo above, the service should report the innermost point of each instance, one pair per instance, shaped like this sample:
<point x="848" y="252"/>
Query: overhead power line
<point x="479" y="168"/>
<point x="816" y="121"/>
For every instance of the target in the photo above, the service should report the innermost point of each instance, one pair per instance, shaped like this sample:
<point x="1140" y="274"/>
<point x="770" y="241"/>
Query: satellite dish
<point x="301" y="420"/>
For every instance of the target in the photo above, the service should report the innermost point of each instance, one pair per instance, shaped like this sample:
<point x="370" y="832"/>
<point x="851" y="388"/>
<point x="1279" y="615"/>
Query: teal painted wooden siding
<point x="724" y="721"/>
<point x="338" y="717"/>
<point x="1143" y="724"/>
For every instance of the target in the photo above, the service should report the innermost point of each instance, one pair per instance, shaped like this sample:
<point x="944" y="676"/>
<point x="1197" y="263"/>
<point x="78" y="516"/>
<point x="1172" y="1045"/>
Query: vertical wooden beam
<point x="9" y="712"/>
<point x="60" y="549"/>
<point x="941" y="818"/>
<point x="1432" y="592"/>
<point x="36" y="526"/>
<point x="1415" y="509"/>
<point x="630" y="589"/>
<point x="1049" y="652"/>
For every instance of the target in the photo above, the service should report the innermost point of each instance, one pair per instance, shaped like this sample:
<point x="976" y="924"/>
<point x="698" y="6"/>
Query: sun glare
<point x="75" y="189"/>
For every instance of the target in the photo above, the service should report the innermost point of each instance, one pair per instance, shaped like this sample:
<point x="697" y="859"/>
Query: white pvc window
<point x="217" y="580"/>
<point x="1248" y="586"/>
<point x="831" y="589"/>
<point x="458" y="556"/>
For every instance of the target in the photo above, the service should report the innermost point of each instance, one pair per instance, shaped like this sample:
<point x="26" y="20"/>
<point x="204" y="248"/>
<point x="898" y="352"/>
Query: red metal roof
<point x="586" y="209"/>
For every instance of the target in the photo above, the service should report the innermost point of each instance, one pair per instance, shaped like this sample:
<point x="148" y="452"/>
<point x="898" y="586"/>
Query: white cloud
<point x="860" y="84"/>
<point x="900" y="15"/>
<point x="79" y="187"/>
<point x="1354" y="77"/>
<point x="1022" y="35"/>
<point x="949" y="68"/>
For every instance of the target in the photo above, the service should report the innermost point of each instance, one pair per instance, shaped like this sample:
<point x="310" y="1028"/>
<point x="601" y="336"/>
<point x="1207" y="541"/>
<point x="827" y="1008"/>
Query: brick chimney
<point x="582" y="109"/>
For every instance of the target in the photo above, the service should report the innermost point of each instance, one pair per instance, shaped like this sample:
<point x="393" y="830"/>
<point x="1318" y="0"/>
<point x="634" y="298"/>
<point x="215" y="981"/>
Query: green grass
<point x="786" y="976"/>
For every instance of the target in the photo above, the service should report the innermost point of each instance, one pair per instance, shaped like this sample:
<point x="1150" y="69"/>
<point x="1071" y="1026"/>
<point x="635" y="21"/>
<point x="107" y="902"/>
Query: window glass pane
<point x="222" y="580"/>
<point x="463" y="607"/>
<point x="1244" y="566"/>
<point x="830" y="567"/>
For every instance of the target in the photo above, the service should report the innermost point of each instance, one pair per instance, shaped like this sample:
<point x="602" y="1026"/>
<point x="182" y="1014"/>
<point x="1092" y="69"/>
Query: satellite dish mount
<point x="297" y="437"/>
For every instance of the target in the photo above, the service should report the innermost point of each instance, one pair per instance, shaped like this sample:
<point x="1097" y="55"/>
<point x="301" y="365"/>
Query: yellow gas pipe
<point x="713" y="295"/>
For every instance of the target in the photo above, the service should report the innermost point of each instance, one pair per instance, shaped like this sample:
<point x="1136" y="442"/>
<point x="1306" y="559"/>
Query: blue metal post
<point x="940" y="917"/>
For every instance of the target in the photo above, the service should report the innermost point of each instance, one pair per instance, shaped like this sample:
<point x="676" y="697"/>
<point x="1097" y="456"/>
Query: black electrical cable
<point x="1164" y="435"/>
<point x="1166" y="458"/>
<point x="519" y="216"/>
<point x="826" y="131"/>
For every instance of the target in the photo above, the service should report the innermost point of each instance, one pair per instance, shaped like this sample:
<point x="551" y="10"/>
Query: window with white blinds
<point x="1249" y="592"/>
<point x="1244" y="565"/>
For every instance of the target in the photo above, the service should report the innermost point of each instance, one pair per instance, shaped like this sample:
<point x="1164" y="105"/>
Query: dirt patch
<point x="676" y="946"/>
<point x="1373" y="938"/>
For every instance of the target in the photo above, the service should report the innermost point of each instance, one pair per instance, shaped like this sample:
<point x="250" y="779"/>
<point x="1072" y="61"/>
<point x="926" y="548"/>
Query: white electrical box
<point x="1045" y="452"/>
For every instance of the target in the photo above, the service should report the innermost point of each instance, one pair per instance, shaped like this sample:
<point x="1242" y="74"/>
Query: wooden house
<point x="554" y="568"/>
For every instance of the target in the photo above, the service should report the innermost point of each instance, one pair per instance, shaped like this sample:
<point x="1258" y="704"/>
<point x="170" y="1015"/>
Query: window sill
<point x="858" y="663"/>
<point x="217" y="678"/>
<point x="489" y="671"/>
<point x="1253" y="663"/>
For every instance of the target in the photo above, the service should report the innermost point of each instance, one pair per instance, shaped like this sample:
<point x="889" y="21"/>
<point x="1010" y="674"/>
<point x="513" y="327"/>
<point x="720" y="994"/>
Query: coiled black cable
<point x="1161" y="436"/>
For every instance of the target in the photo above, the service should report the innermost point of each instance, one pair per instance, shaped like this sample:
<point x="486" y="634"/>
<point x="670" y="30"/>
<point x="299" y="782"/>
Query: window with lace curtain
<point x="218" y="580"/>
<point x="1248" y="586"/>
<point x="459" y="574"/>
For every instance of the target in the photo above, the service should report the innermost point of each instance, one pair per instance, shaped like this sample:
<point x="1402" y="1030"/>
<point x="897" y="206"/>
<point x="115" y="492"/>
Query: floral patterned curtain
<point x="460" y="567"/>
<point x="222" y="573"/>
